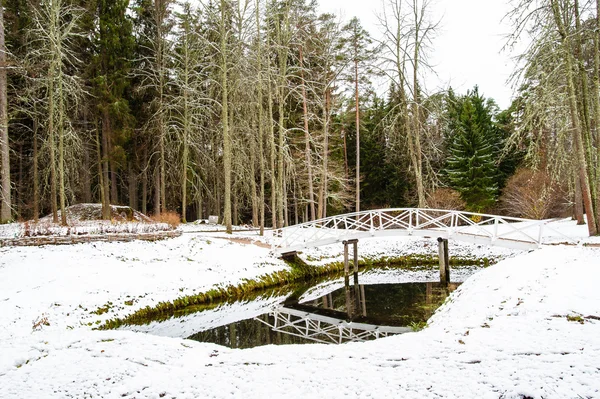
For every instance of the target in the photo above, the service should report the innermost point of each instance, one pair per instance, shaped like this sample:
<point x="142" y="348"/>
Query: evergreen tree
<point x="114" y="50"/>
<point x="470" y="167"/>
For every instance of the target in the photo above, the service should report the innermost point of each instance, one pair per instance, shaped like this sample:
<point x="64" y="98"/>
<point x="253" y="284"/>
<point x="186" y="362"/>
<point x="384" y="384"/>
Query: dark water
<point x="398" y="305"/>
<point x="321" y="311"/>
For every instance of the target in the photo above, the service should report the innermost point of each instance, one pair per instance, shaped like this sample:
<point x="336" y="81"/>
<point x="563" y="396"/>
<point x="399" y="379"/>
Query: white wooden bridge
<point x="475" y="228"/>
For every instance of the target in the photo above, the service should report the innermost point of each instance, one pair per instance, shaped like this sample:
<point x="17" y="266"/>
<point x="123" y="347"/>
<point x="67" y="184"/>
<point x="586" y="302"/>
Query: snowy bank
<point x="517" y="329"/>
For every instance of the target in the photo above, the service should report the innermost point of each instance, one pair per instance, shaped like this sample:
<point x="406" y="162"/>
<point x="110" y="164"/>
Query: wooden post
<point x="346" y="266"/>
<point x="444" y="260"/>
<point x="355" y="243"/>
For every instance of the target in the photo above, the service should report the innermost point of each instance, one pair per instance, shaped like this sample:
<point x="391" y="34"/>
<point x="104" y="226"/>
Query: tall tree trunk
<point x="253" y="189"/>
<point x="157" y="205"/>
<point x="273" y="158"/>
<point x="36" y="183"/>
<point x="584" y="104"/>
<point x="52" y="148"/>
<point x="261" y="153"/>
<point x="357" y="135"/>
<point x="578" y="201"/>
<point x="199" y="203"/>
<point x="86" y="178"/>
<point x="596" y="81"/>
<point x="307" y="149"/>
<point x="132" y="185"/>
<point x="101" y="177"/>
<point x="61" y="148"/>
<point x="578" y="138"/>
<point x="322" y="208"/>
<point x="282" y="50"/>
<point x="225" y="122"/>
<point x="145" y="180"/>
<point x="114" y="192"/>
<point x="19" y="194"/>
<point x="185" y="155"/>
<point x="105" y="181"/>
<point x="416" y="136"/>
<point x="5" y="198"/>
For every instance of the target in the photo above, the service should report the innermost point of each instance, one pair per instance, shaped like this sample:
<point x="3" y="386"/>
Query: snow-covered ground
<point x="517" y="329"/>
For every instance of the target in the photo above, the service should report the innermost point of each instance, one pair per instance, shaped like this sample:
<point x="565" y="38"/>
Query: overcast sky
<point x="467" y="50"/>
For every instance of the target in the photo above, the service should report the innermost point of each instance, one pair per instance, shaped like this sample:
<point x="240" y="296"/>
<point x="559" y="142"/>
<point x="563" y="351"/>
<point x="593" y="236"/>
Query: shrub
<point x="532" y="194"/>
<point x="446" y="198"/>
<point x="173" y="219"/>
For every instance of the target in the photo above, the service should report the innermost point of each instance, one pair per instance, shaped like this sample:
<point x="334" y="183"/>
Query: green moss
<point x="575" y="318"/>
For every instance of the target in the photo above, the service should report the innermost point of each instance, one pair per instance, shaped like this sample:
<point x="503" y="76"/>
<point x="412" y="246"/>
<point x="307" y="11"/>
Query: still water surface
<point x="390" y="301"/>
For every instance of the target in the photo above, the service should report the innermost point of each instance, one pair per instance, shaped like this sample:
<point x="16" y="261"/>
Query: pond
<point x="378" y="303"/>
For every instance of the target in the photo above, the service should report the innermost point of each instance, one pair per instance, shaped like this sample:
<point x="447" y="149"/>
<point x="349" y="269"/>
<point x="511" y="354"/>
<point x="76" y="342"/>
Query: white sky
<point x="467" y="50"/>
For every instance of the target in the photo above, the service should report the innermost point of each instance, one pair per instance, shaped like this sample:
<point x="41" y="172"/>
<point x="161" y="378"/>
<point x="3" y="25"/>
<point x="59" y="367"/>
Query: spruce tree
<point x="470" y="167"/>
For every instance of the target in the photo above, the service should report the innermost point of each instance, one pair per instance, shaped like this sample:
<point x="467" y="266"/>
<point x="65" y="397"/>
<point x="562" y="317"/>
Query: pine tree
<point x="114" y="50"/>
<point x="470" y="167"/>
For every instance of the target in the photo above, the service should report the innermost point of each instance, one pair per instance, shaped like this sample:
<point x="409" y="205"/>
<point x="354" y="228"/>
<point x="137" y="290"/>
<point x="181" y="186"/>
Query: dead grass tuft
<point x="173" y="219"/>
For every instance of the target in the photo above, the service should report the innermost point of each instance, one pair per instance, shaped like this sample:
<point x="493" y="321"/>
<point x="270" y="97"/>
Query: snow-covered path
<point x="504" y="333"/>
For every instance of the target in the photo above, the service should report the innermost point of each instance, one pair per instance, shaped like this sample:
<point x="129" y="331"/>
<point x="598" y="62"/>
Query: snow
<point x="517" y="329"/>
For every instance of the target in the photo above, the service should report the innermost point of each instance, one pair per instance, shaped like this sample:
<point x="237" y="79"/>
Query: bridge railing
<point x="464" y="226"/>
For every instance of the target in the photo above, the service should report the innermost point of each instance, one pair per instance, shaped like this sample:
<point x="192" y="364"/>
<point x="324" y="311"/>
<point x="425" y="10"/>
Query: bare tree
<point x="51" y="50"/>
<point x="5" y="197"/>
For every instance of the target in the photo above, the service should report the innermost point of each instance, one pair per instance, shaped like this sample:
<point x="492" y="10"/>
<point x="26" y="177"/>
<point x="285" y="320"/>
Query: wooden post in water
<point x="347" y="261"/>
<point x="355" y="243"/>
<point x="444" y="260"/>
<point x="346" y="266"/>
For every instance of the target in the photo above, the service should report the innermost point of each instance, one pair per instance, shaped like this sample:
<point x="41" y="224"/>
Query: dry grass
<point x="532" y="194"/>
<point x="173" y="219"/>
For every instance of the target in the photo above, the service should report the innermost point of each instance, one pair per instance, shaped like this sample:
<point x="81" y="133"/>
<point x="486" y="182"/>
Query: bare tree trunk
<point x="261" y="154"/>
<point x="101" y="177"/>
<point x="105" y="182"/>
<point x="52" y="149"/>
<point x="61" y="149"/>
<point x="596" y="81"/>
<point x="157" y="205"/>
<point x="5" y="196"/>
<point x="199" y="204"/>
<point x="225" y="122"/>
<point x="36" y="184"/>
<point x="132" y="186"/>
<point x="584" y="104"/>
<point x="282" y="54"/>
<point x="114" y="192"/>
<point x="416" y="135"/>
<point x="578" y="202"/>
<point x="578" y="138"/>
<point x="357" y="136"/>
<point x="145" y="181"/>
<point x="86" y="178"/>
<point x="253" y="188"/>
<point x="185" y="155"/>
<point x="19" y="194"/>
<point x="346" y="167"/>
<point x="322" y="208"/>
<point x="307" y="150"/>
<point x="286" y="216"/>
<point x="272" y="158"/>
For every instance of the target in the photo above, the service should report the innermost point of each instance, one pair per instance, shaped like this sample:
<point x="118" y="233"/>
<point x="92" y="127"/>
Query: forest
<point x="267" y="113"/>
